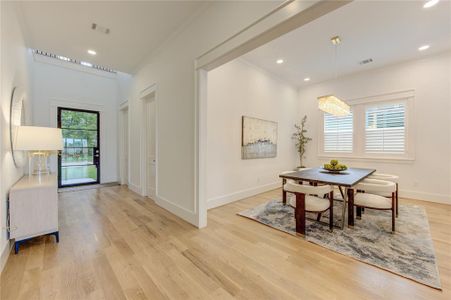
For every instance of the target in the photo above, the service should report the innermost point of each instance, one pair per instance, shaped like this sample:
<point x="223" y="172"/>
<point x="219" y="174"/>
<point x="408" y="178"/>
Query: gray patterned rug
<point x="409" y="252"/>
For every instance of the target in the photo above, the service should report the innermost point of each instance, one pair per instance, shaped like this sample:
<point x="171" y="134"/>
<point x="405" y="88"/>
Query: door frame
<point x="124" y="143"/>
<point x="58" y="120"/>
<point x="150" y="91"/>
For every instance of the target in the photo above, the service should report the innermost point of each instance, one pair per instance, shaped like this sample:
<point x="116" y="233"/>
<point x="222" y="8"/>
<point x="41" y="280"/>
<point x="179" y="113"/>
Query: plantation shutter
<point x="338" y="133"/>
<point x="385" y="129"/>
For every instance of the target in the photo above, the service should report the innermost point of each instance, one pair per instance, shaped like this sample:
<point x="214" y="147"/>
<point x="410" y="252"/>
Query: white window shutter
<point x="338" y="133"/>
<point x="385" y="129"/>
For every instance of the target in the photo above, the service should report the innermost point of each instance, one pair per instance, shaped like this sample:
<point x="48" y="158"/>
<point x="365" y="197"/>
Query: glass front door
<point x="79" y="162"/>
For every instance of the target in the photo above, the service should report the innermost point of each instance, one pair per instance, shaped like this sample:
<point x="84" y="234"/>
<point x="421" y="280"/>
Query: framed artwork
<point x="258" y="138"/>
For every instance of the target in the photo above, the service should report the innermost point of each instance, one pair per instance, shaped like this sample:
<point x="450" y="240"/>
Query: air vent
<point x="366" y="61"/>
<point x="100" y="28"/>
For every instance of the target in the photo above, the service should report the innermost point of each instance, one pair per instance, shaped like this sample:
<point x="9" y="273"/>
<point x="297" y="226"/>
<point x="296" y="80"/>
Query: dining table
<point x="346" y="179"/>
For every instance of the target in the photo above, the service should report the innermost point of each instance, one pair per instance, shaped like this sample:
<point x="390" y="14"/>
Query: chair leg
<point x="331" y="211"/>
<point x="393" y="213"/>
<point x="362" y="209"/>
<point x="397" y="200"/>
<point x="359" y="212"/>
<point x="284" y="197"/>
<point x="318" y="218"/>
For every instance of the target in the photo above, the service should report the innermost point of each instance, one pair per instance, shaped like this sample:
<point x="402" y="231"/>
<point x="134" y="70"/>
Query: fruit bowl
<point x="334" y="167"/>
<point x="333" y="171"/>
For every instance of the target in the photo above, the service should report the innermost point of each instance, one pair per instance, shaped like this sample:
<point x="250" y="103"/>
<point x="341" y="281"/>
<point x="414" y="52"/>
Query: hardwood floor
<point x="117" y="245"/>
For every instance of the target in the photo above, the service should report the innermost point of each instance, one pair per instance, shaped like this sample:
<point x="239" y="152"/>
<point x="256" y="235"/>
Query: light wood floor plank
<point x="116" y="244"/>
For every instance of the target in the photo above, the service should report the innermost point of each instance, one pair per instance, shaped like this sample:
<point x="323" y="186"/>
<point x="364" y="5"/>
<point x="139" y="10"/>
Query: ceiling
<point x="136" y="28"/>
<point x="386" y="31"/>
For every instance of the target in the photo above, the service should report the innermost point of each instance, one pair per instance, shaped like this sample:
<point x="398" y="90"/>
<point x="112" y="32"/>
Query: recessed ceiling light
<point x="280" y="61"/>
<point x="424" y="47"/>
<point x="430" y="3"/>
<point x="307" y="79"/>
<point x="92" y="52"/>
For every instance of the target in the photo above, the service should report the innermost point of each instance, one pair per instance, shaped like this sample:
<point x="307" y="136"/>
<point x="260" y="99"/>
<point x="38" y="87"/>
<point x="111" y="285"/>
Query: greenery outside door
<point x="79" y="161"/>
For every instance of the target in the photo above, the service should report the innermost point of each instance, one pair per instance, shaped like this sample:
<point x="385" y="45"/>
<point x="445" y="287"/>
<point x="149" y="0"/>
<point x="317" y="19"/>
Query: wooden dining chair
<point x="284" y="181"/>
<point x="371" y="194"/>
<point x="314" y="204"/>
<point x="392" y="178"/>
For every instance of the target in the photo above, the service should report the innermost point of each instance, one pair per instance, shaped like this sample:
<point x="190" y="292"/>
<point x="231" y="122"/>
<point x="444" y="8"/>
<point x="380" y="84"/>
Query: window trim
<point x="359" y="109"/>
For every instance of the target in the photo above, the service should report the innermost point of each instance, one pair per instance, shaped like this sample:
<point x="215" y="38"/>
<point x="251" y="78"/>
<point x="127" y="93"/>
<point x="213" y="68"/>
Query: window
<point x="75" y="61"/>
<point x="378" y="127"/>
<point x="385" y="129"/>
<point x="338" y="133"/>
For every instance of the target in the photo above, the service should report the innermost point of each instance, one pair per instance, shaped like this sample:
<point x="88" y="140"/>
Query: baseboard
<point x="152" y="192"/>
<point x="225" y="199"/>
<point x="430" y="197"/>
<point x="183" y="213"/>
<point x="135" y="188"/>
<point x="4" y="256"/>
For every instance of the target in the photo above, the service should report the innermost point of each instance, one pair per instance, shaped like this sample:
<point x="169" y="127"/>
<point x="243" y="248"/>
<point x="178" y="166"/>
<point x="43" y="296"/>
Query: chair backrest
<point x="376" y="186"/>
<point x="388" y="177"/>
<point x="307" y="189"/>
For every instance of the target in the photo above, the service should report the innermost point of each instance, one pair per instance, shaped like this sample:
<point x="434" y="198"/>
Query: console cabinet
<point x="33" y="208"/>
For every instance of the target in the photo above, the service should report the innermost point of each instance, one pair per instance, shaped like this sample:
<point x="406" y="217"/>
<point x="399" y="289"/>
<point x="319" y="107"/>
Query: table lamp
<point x="40" y="142"/>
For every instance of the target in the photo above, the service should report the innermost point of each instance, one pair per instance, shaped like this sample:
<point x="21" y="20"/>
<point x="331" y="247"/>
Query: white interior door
<point x="150" y="147"/>
<point x="125" y="146"/>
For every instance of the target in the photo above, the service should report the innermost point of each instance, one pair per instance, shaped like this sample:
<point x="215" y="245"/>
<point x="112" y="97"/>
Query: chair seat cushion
<point x="372" y="201"/>
<point x="313" y="204"/>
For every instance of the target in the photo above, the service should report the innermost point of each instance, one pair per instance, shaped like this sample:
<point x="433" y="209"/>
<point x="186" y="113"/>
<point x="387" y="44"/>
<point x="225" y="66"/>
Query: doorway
<point x="149" y="124"/>
<point x="124" y="144"/>
<point x="79" y="161"/>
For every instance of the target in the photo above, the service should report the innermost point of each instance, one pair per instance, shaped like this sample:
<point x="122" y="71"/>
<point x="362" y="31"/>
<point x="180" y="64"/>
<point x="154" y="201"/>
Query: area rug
<point x="409" y="252"/>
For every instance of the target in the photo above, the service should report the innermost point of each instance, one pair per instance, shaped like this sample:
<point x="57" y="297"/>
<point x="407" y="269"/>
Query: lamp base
<point x="38" y="163"/>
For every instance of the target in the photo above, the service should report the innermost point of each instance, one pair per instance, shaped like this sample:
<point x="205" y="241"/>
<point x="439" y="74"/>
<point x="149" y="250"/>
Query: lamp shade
<point x="32" y="138"/>
<point x="333" y="105"/>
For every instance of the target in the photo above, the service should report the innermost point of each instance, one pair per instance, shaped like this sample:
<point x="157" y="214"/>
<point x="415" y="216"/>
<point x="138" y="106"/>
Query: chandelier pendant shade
<point x="334" y="106"/>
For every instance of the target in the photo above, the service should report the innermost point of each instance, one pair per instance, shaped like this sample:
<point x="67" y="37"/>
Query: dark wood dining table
<point x="347" y="179"/>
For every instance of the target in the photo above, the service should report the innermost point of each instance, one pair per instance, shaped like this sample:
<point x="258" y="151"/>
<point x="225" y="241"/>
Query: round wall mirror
<point x="17" y="118"/>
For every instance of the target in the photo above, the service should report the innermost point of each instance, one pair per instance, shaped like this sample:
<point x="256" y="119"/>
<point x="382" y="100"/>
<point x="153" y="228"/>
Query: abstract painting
<point x="259" y="138"/>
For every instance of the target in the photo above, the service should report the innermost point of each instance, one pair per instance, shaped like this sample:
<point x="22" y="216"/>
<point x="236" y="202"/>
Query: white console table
<point x="33" y="208"/>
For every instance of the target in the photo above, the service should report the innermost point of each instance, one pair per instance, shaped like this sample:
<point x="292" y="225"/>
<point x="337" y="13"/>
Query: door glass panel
<point x="79" y="160"/>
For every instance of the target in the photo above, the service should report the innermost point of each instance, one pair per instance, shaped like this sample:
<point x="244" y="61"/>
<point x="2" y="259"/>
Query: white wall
<point x="61" y="84"/>
<point x="14" y="72"/>
<point x="172" y="70"/>
<point x="236" y="89"/>
<point x="428" y="176"/>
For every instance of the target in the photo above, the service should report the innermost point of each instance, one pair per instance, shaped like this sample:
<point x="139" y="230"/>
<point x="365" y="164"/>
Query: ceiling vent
<point x="99" y="28"/>
<point x="366" y="61"/>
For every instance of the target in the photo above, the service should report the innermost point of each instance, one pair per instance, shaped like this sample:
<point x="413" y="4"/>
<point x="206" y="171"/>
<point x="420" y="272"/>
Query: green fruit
<point x="334" y="162"/>
<point x="342" y="167"/>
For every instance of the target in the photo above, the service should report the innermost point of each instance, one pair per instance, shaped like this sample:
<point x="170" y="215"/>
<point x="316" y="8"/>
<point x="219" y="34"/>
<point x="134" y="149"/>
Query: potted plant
<point x="301" y="140"/>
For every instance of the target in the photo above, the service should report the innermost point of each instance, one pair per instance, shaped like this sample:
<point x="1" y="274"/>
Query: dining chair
<point x="371" y="194"/>
<point x="284" y="181"/>
<point x="388" y="177"/>
<point x="314" y="202"/>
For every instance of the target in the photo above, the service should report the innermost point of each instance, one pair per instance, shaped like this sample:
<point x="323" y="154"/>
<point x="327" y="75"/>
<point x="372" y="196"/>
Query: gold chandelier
<point x="330" y="103"/>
